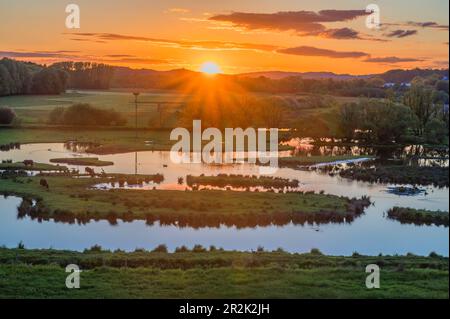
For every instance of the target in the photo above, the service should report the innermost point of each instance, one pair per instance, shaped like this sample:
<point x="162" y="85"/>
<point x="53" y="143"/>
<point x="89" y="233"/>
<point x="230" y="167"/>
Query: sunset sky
<point x="239" y="35"/>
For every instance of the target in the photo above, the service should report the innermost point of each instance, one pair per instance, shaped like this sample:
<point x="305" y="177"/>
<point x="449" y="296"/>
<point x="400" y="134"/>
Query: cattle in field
<point x="28" y="162"/>
<point x="90" y="171"/>
<point x="43" y="182"/>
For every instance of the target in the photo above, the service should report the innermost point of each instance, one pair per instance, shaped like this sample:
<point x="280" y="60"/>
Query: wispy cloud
<point x="37" y="54"/>
<point x="401" y="33"/>
<point x="305" y="23"/>
<point x="312" y="51"/>
<point x="391" y="60"/>
<point x="416" y="24"/>
<point x="429" y="24"/>
<point x="179" y="10"/>
<point x="200" y="45"/>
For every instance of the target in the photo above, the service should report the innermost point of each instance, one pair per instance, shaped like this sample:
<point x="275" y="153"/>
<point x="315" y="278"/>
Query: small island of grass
<point x="73" y="199"/>
<point x="241" y="181"/>
<point x="418" y="216"/>
<point x="84" y="161"/>
<point x="319" y="159"/>
<point x="32" y="167"/>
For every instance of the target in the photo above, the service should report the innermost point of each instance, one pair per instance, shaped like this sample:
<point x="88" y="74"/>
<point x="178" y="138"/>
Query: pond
<point x="371" y="234"/>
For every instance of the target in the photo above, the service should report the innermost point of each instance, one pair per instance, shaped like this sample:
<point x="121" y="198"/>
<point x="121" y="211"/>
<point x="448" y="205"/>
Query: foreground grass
<point x="217" y="274"/>
<point x="418" y="216"/>
<point x="72" y="198"/>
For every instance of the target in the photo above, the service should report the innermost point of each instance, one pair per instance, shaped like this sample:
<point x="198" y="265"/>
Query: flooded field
<point x="372" y="233"/>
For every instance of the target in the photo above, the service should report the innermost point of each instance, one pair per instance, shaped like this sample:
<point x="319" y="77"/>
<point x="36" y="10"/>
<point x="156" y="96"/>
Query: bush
<point x="436" y="131"/>
<point x="198" y="249"/>
<point x="95" y="248"/>
<point x="7" y="115"/>
<point x="84" y="114"/>
<point x="182" y="249"/>
<point x="433" y="254"/>
<point x="315" y="251"/>
<point x="160" y="249"/>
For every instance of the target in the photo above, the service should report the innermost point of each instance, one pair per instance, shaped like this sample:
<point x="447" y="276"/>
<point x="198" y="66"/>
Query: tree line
<point x="20" y="78"/>
<point x="17" y="78"/>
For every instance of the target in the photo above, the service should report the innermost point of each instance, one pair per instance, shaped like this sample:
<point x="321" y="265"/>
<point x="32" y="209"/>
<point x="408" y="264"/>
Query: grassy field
<point x="70" y="198"/>
<point x="111" y="141"/>
<point x="217" y="274"/>
<point x="34" y="109"/>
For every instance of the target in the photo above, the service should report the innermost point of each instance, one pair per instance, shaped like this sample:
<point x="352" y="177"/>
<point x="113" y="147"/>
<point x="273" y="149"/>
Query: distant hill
<point x="146" y="78"/>
<point x="396" y="76"/>
<point x="276" y="75"/>
<point x="399" y="76"/>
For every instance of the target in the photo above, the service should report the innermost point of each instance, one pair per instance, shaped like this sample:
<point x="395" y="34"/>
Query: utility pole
<point x="136" y="94"/>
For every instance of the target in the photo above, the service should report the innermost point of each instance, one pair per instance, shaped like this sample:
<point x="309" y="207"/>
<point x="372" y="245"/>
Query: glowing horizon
<point x="238" y="36"/>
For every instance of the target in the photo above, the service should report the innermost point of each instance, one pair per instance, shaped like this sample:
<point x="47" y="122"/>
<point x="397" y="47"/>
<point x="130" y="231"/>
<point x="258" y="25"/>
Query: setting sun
<point x="210" y="68"/>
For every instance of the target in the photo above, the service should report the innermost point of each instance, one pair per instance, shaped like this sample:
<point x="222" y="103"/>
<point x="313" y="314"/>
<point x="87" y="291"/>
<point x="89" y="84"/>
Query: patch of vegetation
<point x="317" y="159"/>
<point x="73" y="199"/>
<point x="7" y="115"/>
<point x="32" y="167"/>
<point x="84" y="114"/>
<point x="241" y="181"/>
<point x="99" y="141"/>
<point x="418" y="216"/>
<point x="84" y="161"/>
<point x="415" y="175"/>
<point x="199" y="273"/>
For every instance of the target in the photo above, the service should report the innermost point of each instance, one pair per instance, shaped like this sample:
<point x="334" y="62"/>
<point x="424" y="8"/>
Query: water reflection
<point x="29" y="209"/>
<point x="370" y="233"/>
<point x="410" y="154"/>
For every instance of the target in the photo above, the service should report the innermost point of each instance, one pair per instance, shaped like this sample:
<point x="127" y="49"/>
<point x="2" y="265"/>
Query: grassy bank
<point x="418" y="216"/>
<point x="70" y="199"/>
<point x="217" y="274"/>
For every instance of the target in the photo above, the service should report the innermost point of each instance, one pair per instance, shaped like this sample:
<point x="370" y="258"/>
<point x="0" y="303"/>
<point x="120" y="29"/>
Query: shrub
<point x="95" y="248"/>
<point x="315" y="251"/>
<point x="84" y="114"/>
<point x="433" y="254"/>
<point x="198" y="249"/>
<point x="7" y="115"/>
<point x="160" y="249"/>
<point x="182" y="249"/>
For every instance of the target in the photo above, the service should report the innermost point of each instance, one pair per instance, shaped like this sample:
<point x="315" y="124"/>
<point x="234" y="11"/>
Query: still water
<point x="372" y="233"/>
